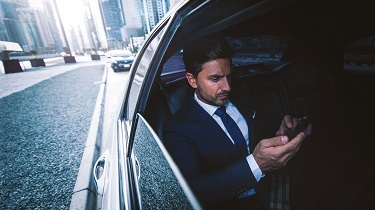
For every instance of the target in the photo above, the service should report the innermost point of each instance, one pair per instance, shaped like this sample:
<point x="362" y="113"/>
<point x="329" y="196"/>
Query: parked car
<point x="121" y="60"/>
<point x="290" y="55"/>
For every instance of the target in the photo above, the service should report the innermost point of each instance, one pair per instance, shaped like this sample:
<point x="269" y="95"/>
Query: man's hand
<point x="274" y="153"/>
<point x="288" y="124"/>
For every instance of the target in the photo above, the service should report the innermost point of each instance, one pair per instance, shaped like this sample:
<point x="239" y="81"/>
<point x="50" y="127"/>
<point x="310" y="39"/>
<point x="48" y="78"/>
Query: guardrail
<point x="25" y="64"/>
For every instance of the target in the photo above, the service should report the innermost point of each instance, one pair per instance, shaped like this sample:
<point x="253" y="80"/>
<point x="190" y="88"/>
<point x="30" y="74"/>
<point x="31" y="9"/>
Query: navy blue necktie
<point x="232" y="128"/>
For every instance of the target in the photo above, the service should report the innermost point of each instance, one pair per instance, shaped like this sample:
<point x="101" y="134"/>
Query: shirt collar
<point x="211" y="109"/>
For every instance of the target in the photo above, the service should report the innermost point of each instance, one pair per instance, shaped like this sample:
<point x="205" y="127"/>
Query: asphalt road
<point x="43" y="131"/>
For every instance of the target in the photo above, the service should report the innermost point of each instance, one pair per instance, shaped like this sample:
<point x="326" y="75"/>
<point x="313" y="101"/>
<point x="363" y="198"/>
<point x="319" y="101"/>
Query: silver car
<point x="295" y="57"/>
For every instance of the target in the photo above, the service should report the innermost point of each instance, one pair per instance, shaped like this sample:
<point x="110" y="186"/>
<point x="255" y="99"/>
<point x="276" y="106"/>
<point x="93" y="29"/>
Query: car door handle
<point x="100" y="172"/>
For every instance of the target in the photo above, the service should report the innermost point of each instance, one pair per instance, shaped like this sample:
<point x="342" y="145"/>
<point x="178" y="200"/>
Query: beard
<point x="218" y="99"/>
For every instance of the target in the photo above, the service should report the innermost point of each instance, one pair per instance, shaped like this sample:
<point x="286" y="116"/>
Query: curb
<point x="84" y="194"/>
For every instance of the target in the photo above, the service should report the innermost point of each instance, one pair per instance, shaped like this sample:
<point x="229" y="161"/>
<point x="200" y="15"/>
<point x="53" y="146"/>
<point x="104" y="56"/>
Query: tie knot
<point x="220" y="111"/>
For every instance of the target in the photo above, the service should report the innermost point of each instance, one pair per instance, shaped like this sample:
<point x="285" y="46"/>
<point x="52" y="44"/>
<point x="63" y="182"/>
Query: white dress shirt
<point x="233" y="112"/>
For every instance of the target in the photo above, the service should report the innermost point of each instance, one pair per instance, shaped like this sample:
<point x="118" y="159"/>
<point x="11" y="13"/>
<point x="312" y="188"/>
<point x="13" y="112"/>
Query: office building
<point x="113" y="18"/>
<point x="154" y="11"/>
<point x="12" y="30"/>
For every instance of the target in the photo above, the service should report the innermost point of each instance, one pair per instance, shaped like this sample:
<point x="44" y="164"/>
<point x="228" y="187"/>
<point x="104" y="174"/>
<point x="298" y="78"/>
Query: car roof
<point x="342" y="21"/>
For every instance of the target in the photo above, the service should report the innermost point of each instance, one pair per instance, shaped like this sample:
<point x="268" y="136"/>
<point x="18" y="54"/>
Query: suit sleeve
<point x="210" y="187"/>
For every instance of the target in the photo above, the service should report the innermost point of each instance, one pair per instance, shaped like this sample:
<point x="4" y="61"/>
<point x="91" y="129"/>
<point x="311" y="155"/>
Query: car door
<point x="155" y="176"/>
<point x="148" y="177"/>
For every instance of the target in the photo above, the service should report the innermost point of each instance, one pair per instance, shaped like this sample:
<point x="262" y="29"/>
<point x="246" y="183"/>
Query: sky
<point x="35" y="3"/>
<point x="70" y="10"/>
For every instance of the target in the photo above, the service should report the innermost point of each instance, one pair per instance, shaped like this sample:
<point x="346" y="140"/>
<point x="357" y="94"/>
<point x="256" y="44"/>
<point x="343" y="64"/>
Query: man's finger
<point x="280" y="133"/>
<point x="308" y="130"/>
<point x="275" y="141"/>
<point x="296" y="141"/>
<point x="287" y="123"/>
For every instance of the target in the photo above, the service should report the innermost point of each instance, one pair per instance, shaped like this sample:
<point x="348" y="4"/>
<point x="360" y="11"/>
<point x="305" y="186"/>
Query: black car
<point x="296" y="57"/>
<point x="121" y="60"/>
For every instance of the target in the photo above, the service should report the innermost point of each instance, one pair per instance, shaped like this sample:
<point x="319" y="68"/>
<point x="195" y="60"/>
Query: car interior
<point x="313" y="58"/>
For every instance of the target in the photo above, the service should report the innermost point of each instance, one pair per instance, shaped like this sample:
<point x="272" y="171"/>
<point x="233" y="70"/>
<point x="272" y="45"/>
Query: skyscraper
<point x="30" y="29"/>
<point x="154" y="11"/>
<point x="48" y="27"/>
<point x="3" y="30"/>
<point x="133" y="19"/>
<point x="113" y="18"/>
<point x="11" y="21"/>
<point x="98" y="19"/>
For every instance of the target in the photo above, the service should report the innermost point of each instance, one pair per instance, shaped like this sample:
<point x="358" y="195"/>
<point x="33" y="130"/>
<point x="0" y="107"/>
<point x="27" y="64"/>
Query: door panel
<point x="161" y="185"/>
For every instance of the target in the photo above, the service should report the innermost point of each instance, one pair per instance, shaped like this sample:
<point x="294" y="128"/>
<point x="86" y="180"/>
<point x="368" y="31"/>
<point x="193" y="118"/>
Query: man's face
<point x="213" y="82"/>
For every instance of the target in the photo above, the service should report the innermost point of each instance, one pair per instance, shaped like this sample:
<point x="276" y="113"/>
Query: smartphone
<point x="301" y="126"/>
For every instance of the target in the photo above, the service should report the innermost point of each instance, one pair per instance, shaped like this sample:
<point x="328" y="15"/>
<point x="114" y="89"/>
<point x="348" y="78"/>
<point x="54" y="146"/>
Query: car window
<point x="360" y="56"/>
<point x="174" y="64"/>
<point x="248" y="51"/>
<point x="161" y="185"/>
<point x="138" y="77"/>
<point x="258" y="49"/>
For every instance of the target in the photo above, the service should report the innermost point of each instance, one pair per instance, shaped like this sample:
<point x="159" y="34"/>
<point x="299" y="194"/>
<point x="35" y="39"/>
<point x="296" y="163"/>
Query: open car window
<point x="253" y="54"/>
<point x="360" y="56"/>
<point x="257" y="49"/>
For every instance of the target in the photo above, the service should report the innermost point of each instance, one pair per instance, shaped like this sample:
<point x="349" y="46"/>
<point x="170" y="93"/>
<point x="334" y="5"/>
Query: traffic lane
<point x="43" y="135"/>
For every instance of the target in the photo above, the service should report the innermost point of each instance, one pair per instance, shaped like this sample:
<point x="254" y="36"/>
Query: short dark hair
<point x="198" y="52"/>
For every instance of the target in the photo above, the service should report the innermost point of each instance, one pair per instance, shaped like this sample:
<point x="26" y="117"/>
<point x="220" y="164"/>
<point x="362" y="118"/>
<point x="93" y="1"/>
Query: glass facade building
<point x="11" y="23"/>
<point x="113" y="18"/>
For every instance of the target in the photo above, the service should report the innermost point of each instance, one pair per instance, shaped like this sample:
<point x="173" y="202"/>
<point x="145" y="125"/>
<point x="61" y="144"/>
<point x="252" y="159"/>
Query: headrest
<point x="177" y="93"/>
<point x="300" y="79"/>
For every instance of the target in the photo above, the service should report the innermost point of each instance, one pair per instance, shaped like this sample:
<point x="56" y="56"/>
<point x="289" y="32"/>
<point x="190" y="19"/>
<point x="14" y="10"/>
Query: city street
<point x="46" y="113"/>
<point x="55" y="119"/>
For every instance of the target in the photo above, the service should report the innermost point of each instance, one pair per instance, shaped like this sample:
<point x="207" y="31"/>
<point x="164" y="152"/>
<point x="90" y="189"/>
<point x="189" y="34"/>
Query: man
<point x="222" y="168"/>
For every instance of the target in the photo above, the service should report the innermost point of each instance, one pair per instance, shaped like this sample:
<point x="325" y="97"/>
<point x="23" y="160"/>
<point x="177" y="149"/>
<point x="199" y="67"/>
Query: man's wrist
<point x="257" y="172"/>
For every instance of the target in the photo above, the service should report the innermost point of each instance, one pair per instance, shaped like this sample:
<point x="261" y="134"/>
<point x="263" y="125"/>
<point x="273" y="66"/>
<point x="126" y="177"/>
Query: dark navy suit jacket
<point x="215" y="170"/>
